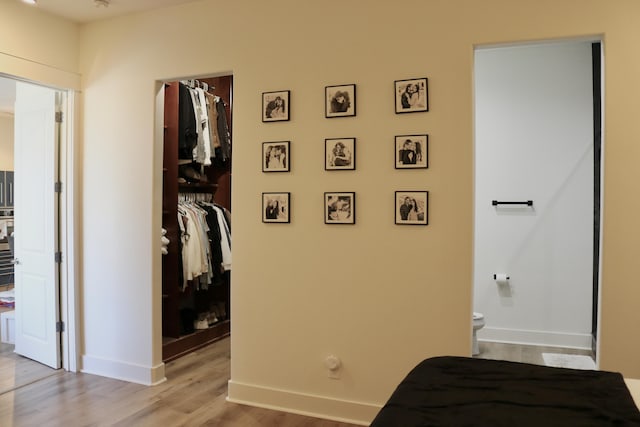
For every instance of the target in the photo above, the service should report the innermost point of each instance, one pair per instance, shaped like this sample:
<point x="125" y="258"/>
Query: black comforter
<point x="459" y="391"/>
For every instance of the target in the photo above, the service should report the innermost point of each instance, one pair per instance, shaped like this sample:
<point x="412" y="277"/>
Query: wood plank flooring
<point x="194" y="395"/>
<point x="17" y="371"/>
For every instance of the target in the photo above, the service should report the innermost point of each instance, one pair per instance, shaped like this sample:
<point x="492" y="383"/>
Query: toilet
<point x="478" y="323"/>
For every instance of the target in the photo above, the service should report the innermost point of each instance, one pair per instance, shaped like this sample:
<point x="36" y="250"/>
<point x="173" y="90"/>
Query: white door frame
<point x="31" y="72"/>
<point x="69" y="302"/>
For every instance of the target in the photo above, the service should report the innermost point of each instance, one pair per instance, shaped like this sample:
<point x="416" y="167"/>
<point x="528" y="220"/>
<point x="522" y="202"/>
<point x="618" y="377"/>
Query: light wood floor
<point x="17" y="371"/>
<point x="194" y="395"/>
<point x="522" y="353"/>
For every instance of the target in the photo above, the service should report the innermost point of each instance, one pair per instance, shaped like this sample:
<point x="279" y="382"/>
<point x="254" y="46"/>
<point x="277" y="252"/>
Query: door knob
<point x="15" y="261"/>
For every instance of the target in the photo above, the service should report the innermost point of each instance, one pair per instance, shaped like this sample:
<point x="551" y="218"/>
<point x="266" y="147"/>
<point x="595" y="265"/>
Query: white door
<point x="36" y="219"/>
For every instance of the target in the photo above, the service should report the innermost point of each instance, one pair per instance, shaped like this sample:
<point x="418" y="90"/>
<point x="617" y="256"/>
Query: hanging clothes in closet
<point x="204" y="136"/>
<point x="205" y="242"/>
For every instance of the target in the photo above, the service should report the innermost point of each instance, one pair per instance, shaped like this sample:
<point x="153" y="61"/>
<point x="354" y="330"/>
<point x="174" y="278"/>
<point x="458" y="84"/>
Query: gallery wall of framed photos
<point x="410" y="152"/>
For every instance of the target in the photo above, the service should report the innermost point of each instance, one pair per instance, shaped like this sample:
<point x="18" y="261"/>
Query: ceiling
<point x="83" y="11"/>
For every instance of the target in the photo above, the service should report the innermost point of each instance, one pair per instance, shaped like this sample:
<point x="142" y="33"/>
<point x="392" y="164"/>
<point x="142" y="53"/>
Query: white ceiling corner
<point x="84" y="11"/>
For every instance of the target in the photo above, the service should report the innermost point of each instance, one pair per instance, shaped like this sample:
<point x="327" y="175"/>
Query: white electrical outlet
<point x="333" y="365"/>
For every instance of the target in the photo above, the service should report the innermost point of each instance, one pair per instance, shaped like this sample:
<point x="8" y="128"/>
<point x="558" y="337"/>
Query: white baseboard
<point x="123" y="371"/>
<point x="550" y="339"/>
<point x="303" y="404"/>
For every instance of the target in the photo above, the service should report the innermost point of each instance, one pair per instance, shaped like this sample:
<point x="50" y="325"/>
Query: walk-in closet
<point x="196" y="214"/>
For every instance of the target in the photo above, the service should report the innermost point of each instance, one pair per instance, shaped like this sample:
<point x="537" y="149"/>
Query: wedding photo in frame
<point x="340" y="208"/>
<point x="340" y="101"/>
<point x="340" y="154"/>
<point x="275" y="156"/>
<point x="412" y="207"/>
<point x="275" y="207"/>
<point x="412" y="95"/>
<point x="276" y="106"/>
<point x="412" y="151"/>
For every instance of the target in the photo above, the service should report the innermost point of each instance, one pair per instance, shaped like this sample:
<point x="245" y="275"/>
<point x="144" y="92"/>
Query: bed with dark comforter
<point x="460" y="391"/>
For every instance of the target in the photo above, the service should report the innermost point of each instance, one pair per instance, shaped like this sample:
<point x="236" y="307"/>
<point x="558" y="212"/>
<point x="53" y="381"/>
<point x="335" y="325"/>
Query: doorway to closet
<point x="537" y="200"/>
<point x="30" y="132"/>
<point x="196" y="213"/>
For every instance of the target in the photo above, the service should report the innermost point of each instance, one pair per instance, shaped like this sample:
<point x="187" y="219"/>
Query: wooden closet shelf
<point x="196" y="187"/>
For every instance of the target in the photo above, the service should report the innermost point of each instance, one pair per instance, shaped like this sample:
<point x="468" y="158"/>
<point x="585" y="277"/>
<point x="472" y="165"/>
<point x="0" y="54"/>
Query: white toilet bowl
<point x="478" y="323"/>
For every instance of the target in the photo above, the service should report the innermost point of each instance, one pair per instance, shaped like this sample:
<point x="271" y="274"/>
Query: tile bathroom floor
<point x="522" y="353"/>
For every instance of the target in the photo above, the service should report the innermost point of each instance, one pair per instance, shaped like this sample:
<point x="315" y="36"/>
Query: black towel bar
<point x="496" y="203"/>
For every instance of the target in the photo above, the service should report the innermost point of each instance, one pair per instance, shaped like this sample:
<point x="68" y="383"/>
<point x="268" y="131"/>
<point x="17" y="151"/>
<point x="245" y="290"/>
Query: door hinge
<point x="59" y="116"/>
<point x="57" y="187"/>
<point x="59" y="326"/>
<point x="58" y="257"/>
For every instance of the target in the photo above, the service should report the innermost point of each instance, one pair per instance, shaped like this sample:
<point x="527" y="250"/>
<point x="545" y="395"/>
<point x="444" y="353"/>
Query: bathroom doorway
<point x="537" y="196"/>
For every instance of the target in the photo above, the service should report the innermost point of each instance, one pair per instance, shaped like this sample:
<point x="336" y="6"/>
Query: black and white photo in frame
<point x="412" y="151"/>
<point x="340" y="101"/>
<point x="412" y="95"/>
<point x="275" y="156"/>
<point x="412" y="207"/>
<point x="340" y="208"/>
<point x="276" y="106"/>
<point x="340" y="153"/>
<point x="275" y="207"/>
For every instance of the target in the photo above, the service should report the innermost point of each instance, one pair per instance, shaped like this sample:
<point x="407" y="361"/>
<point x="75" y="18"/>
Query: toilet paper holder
<point x="495" y="277"/>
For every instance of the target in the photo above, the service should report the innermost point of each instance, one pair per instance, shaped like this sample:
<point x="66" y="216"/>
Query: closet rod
<point x="194" y="83"/>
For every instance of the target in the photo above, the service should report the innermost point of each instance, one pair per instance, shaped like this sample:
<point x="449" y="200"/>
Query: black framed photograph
<point x="340" y="154"/>
<point x="276" y="106"/>
<point x="275" y="207"/>
<point x="412" y="207"/>
<point x="340" y="101"/>
<point x="275" y="156"/>
<point x="412" y="151"/>
<point x="340" y="208"/>
<point x="412" y="95"/>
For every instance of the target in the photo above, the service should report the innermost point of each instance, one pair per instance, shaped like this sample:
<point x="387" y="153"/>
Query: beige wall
<point x="6" y="141"/>
<point x="380" y="296"/>
<point x="37" y="46"/>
